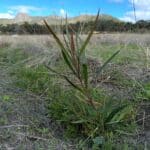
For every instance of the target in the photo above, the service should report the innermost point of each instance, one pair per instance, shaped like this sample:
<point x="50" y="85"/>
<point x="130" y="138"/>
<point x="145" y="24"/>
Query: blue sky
<point x="122" y="9"/>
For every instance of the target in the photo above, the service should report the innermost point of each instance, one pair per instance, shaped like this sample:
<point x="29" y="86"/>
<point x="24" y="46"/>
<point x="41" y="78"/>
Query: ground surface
<point x="23" y="121"/>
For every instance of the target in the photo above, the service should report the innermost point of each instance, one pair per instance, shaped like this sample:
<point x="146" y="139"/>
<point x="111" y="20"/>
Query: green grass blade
<point x="120" y="116"/>
<point x="67" y="29"/>
<point x="66" y="43"/>
<point x="68" y="62"/>
<point x="89" y="36"/>
<point x="79" y="121"/>
<point x="104" y="65"/>
<point x="73" y="85"/>
<point x="55" y="36"/>
<point x="64" y="76"/>
<point x="85" y="74"/>
<point x="70" y="82"/>
<point x="113" y="113"/>
<point x="54" y="71"/>
<point x="65" y="54"/>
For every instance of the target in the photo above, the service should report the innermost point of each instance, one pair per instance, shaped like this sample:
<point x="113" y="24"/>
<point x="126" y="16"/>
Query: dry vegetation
<point x="23" y="120"/>
<point x="44" y="40"/>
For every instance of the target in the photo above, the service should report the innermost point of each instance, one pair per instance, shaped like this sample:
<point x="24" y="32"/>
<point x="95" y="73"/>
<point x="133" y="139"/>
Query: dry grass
<point x="44" y="41"/>
<point x="45" y="44"/>
<point x="125" y="38"/>
<point x="43" y="48"/>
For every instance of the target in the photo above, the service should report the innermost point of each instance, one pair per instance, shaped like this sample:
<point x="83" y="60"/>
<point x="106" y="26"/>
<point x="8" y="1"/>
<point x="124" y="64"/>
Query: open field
<point x="125" y="38"/>
<point x="27" y="88"/>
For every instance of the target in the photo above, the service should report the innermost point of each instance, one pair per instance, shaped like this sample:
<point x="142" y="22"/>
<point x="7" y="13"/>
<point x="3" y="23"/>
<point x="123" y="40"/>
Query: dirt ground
<point x="21" y="119"/>
<point x="24" y="124"/>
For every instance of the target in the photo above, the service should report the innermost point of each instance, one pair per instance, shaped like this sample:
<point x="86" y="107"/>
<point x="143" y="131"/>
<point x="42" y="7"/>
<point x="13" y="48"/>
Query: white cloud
<point x="13" y="10"/>
<point x="24" y="9"/>
<point x="142" y="11"/>
<point x="141" y="4"/>
<point x="127" y="19"/>
<point x="10" y="12"/>
<point x="63" y="13"/>
<point x="6" y="15"/>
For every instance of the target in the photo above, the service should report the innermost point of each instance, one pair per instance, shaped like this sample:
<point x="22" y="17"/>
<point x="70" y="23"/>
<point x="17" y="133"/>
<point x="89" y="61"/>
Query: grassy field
<point x="39" y="110"/>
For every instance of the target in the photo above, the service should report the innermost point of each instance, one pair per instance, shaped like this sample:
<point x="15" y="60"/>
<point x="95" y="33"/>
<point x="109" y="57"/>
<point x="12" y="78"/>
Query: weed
<point x="6" y="98"/>
<point x="76" y="61"/>
<point x="66" y="105"/>
<point x="81" y="109"/>
<point x="81" y="119"/>
<point x="11" y="57"/>
<point x="144" y="93"/>
<point x="84" y="109"/>
<point x="34" y="79"/>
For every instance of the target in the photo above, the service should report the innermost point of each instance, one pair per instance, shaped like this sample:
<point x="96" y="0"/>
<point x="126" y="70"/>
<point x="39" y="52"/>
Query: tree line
<point x="102" y="26"/>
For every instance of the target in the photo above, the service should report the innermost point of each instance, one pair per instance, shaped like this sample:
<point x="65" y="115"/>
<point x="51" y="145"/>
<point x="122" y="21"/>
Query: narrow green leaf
<point x="77" y="41"/>
<point x="74" y="85"/>
<point x="85" y="74"/>
<point x="89" y="36"/>
<point x="67" y="30"/>
<point x="54" y="71"/>
<point x="68" y="62"/>
<point x="122" y="113"/>
<point x="66" y="43"/>
<point x="79" y="121"/>
<point x="104" y="65"/>
<point x="114" y="113"/>
<point x="61" y="75"/>
<point x="65" y="54"/>
<point x="55" y="36"/>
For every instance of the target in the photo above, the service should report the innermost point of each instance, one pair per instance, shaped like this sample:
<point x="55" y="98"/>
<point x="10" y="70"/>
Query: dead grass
<point x="46" y="41"/>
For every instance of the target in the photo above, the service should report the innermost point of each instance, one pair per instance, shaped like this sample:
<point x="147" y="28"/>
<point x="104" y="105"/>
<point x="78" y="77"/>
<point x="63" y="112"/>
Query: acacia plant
<point x="74" y="57"/>
<point x="88" y="111"/>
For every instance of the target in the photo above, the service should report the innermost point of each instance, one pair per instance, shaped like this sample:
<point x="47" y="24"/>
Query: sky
<point x="122" y="9"/>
